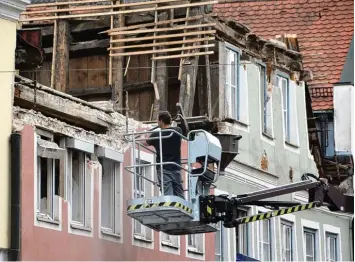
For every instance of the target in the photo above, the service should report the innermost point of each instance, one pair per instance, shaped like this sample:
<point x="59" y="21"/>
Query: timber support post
<point x="61" y="60"/>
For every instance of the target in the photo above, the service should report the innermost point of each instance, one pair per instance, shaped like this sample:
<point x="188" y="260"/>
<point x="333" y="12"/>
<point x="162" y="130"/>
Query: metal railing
<point x="136" y="138"/>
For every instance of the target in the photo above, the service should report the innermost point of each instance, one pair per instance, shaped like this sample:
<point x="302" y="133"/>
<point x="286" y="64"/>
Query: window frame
<point x="142" y="239"/>
<point x="329" y="235"/>
<point x="289" y="224"/>
<point x="286" y="119"/>
<point x="86" y="201"/>
<point x="116" y="172"/>
<point x="220" y="232"/>
<point x="247" y="228"/>
<point x="261" y="239"/>
<point x="313" y="232"/>
<point x="263" y="94"/>
<point x="51" y="156"/>
<point x="235" y="114"/>
<point x="335" y="231"/>
<point x="194" y="247"/>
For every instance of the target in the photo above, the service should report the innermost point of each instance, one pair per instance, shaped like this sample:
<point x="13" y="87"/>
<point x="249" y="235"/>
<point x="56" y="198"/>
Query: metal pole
<point x="161" y="163"/>
<point x="134" y="165"/>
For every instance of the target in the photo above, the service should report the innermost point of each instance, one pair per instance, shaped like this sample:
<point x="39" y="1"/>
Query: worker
<point x="171" y="151"/>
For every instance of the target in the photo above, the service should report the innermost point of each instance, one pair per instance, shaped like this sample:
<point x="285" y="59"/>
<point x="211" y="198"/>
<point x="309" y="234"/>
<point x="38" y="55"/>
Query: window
<point x="195" y="243"/>
<point x="331" y="247"/>
<point x="142" y="189"/>
<point x="48" y="167"/>
<point x="110" y="196"/>
<point x="265" y="240"/>
<point x="170" y="240"/>
<point x="242" y="235"/>
<point x="266" y="103"/>
<point x="80" y="189"/>
<point x="232" y="85"/>
<point x="283" y="83"/>
<point x="310" y="244"/>
<point x="219" y="242"/>
<point x="287" y="240"/>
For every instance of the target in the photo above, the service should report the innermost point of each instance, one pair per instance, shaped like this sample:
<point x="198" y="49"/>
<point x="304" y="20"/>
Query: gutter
<point x="15" y="239"/>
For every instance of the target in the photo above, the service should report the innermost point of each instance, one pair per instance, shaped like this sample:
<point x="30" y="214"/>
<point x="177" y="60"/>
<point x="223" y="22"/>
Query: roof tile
<point x="324" y="30"/>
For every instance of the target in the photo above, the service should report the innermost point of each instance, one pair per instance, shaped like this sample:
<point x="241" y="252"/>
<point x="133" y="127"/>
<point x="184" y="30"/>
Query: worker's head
<point x="164" y="119"/>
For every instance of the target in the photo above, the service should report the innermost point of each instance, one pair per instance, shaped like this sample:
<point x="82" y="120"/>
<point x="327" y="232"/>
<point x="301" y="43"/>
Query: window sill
<point x="142" y="238"/>
<point x="292" y="145"/>
<point x="194" y="251"/>
<point x="80" y="227"/>
<point x="47" y="219"/>
<point x="270" y="137"/>
<point x="110" y="233"/>
<point x="169" y="244"/>
<point x="235" y="121"/>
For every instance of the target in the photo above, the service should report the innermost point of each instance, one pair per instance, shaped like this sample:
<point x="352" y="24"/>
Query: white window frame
<point x="141" y="239"/>
<point x="272" y="224"/>
<point x="220" y="233"/>
<point x="235" y="103"/>
<point x="263" y="89"/>
<point x="193" y="248"/>
<point x="314" y="227"/>
<point x="262" y="242"/>
<point x="116" y="160"/>
<point x="335" y="231"/>
<point x="84" y="149"/>
<point x="284" y="226"/>
<point x="280" y="77"/>
<point x="54" y="153"/>
<point x="313" y="233"/>
<point x="247" y="241"/>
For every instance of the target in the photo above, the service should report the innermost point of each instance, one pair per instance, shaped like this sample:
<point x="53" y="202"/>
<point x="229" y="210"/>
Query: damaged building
<point x="91" y="71"/>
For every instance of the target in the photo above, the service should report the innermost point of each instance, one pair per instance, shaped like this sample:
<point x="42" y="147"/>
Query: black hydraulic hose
<point x="306" y="175"/>
<point x="15" y="241"/>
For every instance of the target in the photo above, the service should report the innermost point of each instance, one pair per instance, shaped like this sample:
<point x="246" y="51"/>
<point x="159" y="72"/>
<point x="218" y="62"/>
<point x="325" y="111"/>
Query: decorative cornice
<point x="11" y="9"/>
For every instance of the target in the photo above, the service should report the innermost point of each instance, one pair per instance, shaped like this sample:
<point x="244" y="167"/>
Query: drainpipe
<point x="352" y="238"/>
<point x="15" y="196"/>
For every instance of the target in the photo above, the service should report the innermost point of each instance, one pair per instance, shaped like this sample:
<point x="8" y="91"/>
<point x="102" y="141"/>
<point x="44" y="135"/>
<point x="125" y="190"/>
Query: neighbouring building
<point x="228" y="80"/>
<point x="9" y="16"/>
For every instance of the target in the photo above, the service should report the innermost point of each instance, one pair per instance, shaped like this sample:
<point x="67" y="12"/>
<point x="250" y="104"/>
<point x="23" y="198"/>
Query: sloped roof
<point x="324" y="29"/>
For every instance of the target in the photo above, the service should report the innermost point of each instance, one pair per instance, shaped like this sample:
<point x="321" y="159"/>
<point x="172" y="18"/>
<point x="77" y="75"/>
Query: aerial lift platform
<point x="201" y="211"/>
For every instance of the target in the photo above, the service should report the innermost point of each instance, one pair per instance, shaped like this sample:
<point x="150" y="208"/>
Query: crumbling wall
<point x="112" y="139"/>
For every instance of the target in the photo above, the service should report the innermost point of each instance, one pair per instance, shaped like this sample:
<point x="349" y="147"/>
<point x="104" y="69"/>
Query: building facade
<point x="9" y="16"/>
<point x="274" y="150"/>
<point x="74" y="187"/>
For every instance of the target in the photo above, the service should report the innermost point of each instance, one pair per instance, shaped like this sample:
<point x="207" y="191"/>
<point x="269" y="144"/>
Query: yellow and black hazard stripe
<point x="280" y="212"/>
<point x="160" y="204"/>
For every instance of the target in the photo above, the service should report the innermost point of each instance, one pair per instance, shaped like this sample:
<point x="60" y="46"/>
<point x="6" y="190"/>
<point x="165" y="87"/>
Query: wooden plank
<point x="183" y="55"/>
<point x="162" y="29"/>
<point x="165" y="36"/>
<point x="162" y="50"/>
<point x="54" y="52"/>
<point x="65" y="3"/>
<point x="159" y="23"/>
<point x="142" y="10"/>
<point x="78" y="74"/>
<point x="96" y="7"/>
<point x="103" y="43"/>
<point x="208" y="85"/>
<point x="93" y="91"/>
<point x="96" y="71"/>
<point x="146" y="99"/>
<point x="168" y="43"/>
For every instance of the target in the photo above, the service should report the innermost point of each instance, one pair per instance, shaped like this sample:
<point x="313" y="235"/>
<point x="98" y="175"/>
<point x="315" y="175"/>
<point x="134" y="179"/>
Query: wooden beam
<point x="142" y="10"/>
<point x="162" y="29"/>
<point x="104" y="43"/>
<point x="96" y="7"/>
<point x="182" y="55"/>
<point x="164" y="36"/>
<point x="169" y="43"/>
<point x="93" y="91"/>
<point x="158" y="23"/>
<point x="65" y="3"/>
<point x="162" y="50"/>
<point x="62" y="56"/>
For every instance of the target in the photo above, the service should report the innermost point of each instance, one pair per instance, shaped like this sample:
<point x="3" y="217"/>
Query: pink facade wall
<point x="38" y="243"/>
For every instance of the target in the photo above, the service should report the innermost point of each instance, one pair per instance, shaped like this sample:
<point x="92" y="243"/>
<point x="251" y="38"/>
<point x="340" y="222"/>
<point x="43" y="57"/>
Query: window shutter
<point x="89" y="174"/>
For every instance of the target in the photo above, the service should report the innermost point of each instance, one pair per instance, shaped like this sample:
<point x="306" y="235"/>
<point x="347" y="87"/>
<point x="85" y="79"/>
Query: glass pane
<point x="332" y="249"/>
<point x="309" y="258"/>
<point x="309" y="244"/>
<point x="77" y="187"/>
<point x="107" y="194"/>
<point x="233" y="68"/>
<point x="265" y="231"/>
<point x="266" y="252"/>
